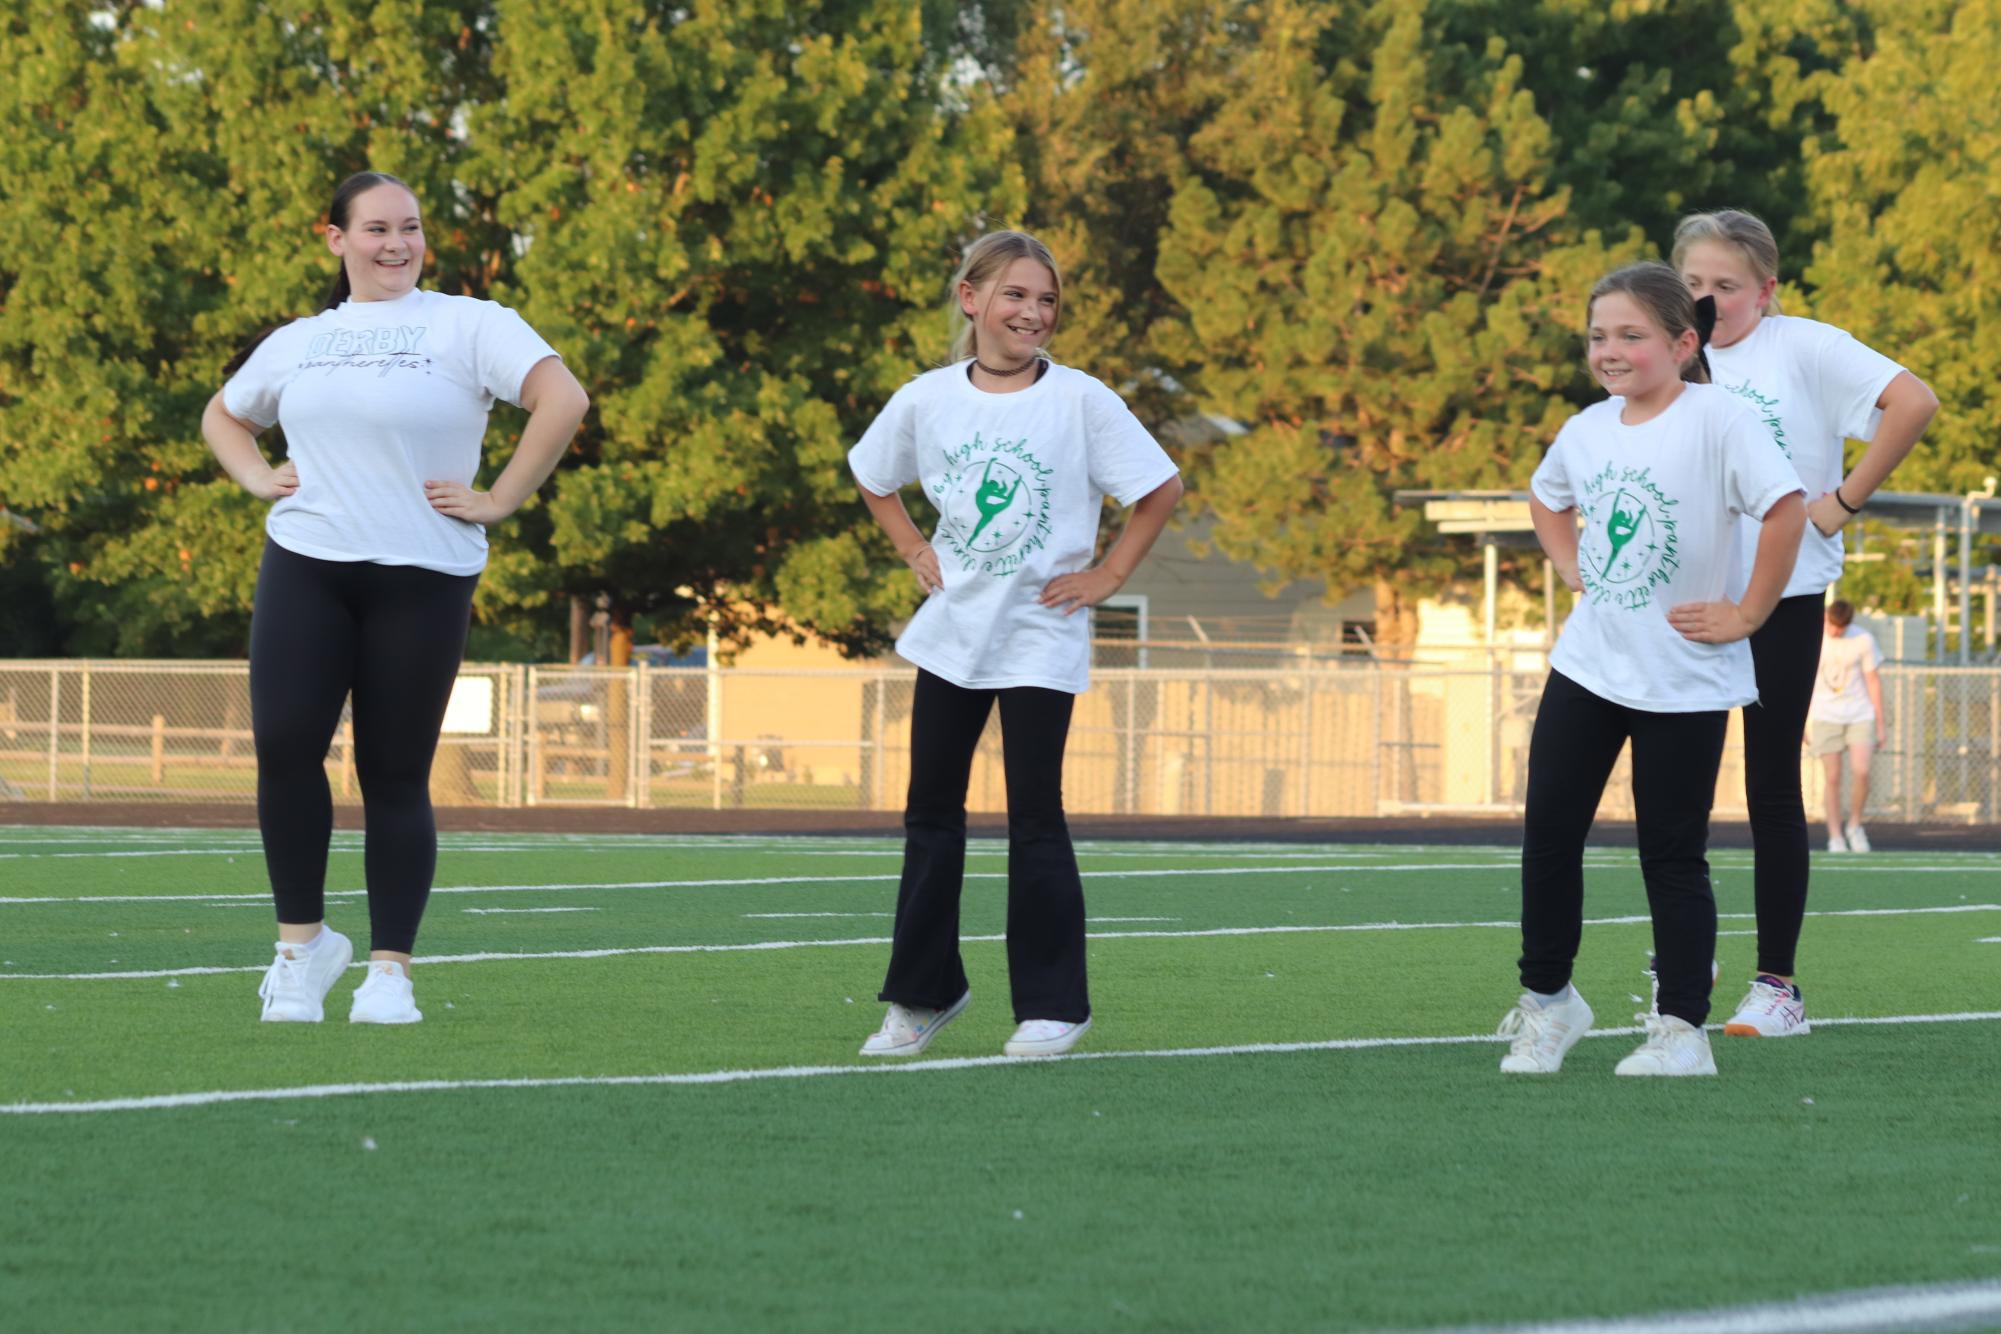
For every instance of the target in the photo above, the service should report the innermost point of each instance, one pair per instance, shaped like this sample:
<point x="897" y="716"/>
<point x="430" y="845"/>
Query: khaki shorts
<point x="1833" y="738"/>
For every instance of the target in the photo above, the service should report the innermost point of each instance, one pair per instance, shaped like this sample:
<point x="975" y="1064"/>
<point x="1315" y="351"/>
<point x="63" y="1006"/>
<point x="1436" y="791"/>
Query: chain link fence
<point x="1320" y="739"/>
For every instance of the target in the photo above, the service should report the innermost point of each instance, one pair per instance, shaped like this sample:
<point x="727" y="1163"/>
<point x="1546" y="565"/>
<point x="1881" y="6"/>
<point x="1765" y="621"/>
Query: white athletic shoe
<point x="1836" y="843"/>
<point x="1858" y="838"/>
<point x="1542" y="1035"/>
<point x="295" y="987"/>
<point x="1673" y="1047"/>
<point x="1654" y="998"/>
<point x="1044" y="1037"/>
<point x="908" y="1029"/>
<point x="1770" y="1009"/>
<point x="385" y="996"/>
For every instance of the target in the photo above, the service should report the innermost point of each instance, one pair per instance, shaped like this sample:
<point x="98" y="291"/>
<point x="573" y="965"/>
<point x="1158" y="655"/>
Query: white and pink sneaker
<point x="1771" y="1009"/>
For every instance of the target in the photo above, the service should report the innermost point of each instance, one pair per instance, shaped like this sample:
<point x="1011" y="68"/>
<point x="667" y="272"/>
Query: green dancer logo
<point x="1619" y="530"/>
<point x="992" y="500"/>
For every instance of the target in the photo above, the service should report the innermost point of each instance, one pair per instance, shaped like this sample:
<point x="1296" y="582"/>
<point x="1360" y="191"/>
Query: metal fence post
<point x="55" y="726"/>
<point x="642" y="741"/>
<point x="1306" y="682"/>
<point x="532" y="778"/>
<point x="84" y="722"/>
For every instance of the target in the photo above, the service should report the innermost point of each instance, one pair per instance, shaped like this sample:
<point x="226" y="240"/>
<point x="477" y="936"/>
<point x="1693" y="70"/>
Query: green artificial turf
<point x="1390" y="1187"/>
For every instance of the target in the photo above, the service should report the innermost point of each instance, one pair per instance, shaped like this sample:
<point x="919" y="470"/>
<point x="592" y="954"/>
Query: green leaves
<point x="1362" y="230"/>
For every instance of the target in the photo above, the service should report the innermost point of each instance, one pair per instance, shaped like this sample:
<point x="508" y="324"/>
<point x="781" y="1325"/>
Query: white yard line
<point x="489" y="911"/>
<point x="1866" y="1311"/>
<point x="817" y="914"/>
<point x="765" y="946"/>
<point x="723" y="882"/>
<point x="165" y="1101"/>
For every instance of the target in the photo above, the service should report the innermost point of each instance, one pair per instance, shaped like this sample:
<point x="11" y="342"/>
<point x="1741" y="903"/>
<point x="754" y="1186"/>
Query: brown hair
<point x="1743" y="232"/>
<point x="1840" y="613"/>
<point x="985" y="259"/>
<point x="1662" y="294"/>
<point x="337" y="214"/>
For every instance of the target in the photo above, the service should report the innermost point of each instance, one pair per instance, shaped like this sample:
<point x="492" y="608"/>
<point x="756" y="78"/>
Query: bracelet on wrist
<point x="1852" y="509"/>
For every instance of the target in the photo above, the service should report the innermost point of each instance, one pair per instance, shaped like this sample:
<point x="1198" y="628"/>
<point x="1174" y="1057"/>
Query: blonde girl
<point x="1812" y="387"/>
<point x="1016" y="453"/>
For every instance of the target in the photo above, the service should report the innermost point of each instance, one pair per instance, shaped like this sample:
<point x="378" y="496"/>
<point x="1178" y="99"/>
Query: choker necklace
<point x="1022" y="369"/>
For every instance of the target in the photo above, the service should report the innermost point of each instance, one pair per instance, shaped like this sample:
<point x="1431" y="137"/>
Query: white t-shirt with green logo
<point x="377" y="398"/>
<point x="1019" y="482"/>
<point x="1813" y="386"/>
<point x="1660" y="504"/>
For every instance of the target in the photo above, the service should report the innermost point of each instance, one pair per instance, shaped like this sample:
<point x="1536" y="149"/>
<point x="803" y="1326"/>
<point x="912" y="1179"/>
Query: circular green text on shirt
<point x="993" y="503"/>
<point x="1628" y="542"/>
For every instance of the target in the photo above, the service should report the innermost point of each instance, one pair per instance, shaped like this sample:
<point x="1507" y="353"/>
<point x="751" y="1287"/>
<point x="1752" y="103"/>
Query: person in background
<point x="1846" y="719"/>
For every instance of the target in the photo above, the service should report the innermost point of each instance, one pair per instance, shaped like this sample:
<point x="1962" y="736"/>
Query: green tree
<point x="735" y="218"/>
<point x="165" y="168"/>
<point x="738" y="220"/>
<point x="1378" y="281"/>
<point x="1658" y="110"/>
<point x="1912" y="260"/>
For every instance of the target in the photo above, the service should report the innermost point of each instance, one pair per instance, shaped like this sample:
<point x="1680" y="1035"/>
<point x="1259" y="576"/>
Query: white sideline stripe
<point x="162" y="1101"/>
<point x="525" y="910"/>
<point x="762" y="946"/>
<point x="810" y="914"/>
<point x="726" y="882"/>
<point x="1864" y="1311"/>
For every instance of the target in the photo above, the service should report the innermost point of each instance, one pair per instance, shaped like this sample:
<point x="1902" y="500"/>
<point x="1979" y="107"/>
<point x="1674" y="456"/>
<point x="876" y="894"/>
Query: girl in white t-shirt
<point x="1846" y="718"/>
<point x="1812" y="386"/>
<point x="1653" y="653"/>
<point x="373" y="548"/>
<point x="1016" y="454"/>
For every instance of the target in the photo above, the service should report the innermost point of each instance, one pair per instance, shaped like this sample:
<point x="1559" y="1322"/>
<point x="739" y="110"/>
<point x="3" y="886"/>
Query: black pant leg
<point x="1786" y="651"/>
<point x="1572" y="750"/>
<point x="412" y="638"/>
<point x="1045" y="895"/>
<point x="302" y="649"/>
<point x="925" y="968"/>
<point x="1675" y="761"/>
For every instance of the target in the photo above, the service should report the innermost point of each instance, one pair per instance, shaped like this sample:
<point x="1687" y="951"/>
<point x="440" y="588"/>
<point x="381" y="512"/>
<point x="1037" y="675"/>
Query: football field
<point x="635" y="1101"/>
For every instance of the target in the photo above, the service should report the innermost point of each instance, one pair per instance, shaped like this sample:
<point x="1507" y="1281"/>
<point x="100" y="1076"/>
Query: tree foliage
<point x="1359" y="228"/>
<point x="1912" y="259"/>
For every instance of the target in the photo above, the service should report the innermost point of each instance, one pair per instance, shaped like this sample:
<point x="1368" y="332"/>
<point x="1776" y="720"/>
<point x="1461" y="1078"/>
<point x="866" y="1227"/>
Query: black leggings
<point x="394" y="636"/>
<point x="1786" y="649"/>
<point x="1576" y="741"/>
<point x="1045" y="897"/>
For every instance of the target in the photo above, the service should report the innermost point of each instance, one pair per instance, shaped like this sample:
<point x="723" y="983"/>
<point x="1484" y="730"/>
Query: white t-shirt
<point x="1840" y="694"/>
<point x="1814" y="387"/>
<point x="377" y="398"/>
<point x="1660" y="503"/>
<point x="1018" y="480"/>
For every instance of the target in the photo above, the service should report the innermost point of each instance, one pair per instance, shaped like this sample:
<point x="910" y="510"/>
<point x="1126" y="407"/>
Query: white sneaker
<point x="1858" y="838"/>
<point x="1836" y="843"/>
<point x="908" y="1029"/>
<point x="1653" y="976"/>
<point x="295" y="987"/>
<point x="1542" y="1035"/>
<point x="385" y="996"/>
<point x="1044" y="1037"/>
<point x="1770" y="1009"/>
<point x="1673" y="1047"/>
